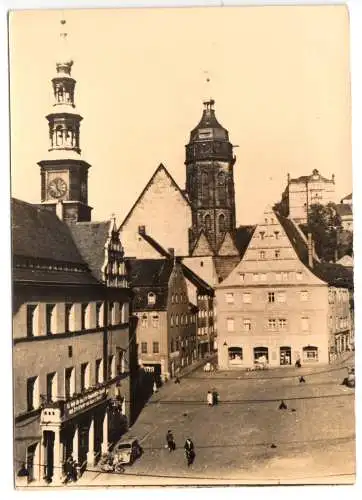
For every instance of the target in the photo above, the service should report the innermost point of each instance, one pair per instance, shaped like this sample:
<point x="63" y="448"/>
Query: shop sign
<point x="83" y="402"/>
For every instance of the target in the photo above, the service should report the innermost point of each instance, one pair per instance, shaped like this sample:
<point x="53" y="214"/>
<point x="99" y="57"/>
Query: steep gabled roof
<point x="160" y="168"/>
<point x="39" y="234"/>
<point x="188" y="273"/>
<point x="202" y="246"/>
<point x="90" y="238"/>
<point x="348" y="197"/>
<point x="242" y="237"/>
<point x="227" y="246"/>
<point x="333" y="274"/>
<point x="225" y="265"/>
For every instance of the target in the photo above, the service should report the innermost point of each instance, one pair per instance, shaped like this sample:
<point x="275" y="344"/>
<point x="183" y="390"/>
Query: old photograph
<point x="182" y="247"/>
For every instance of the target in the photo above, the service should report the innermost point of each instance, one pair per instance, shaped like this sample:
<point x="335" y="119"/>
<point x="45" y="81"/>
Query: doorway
<point x="285" y="356"/>
<point x="30" y="460"/>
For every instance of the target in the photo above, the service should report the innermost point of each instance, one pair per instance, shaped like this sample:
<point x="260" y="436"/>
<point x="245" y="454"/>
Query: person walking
<point x="215" y="397"/>
<point x="209" y="398"/>
<point x="171" y="445"/>
<point x="189" y="451"/>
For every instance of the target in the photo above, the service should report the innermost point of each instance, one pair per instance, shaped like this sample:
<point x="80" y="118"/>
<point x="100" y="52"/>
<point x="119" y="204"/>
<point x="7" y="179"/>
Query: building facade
<point x="345" y="211"/>
<point x="71" y="347"/>
<point x="167" y="322"/>
<point x="274" y="304"/>
<point x="304" y="191"/>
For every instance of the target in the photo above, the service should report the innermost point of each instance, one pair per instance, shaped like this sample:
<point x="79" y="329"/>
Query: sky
<point x="279" y="76"/>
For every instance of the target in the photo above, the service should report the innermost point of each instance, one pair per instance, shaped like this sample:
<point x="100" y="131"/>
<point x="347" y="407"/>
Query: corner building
<point x="281" y="304"/>
<point x="73" y="347"/>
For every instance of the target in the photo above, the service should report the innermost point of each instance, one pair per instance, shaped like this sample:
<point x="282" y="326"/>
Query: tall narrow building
<point x="210" y="181"/>
<point x="64" y="174"/>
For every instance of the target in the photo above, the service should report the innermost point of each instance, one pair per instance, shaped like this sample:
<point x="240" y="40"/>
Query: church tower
<point x="64" y="174"/>
<point x="210" y="181"/>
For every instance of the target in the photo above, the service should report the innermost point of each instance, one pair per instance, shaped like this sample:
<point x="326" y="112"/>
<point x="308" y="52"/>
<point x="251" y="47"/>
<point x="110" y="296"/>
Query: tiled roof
<point x="209" y="121"/>
<point x="188" y="273"/>
<point x="90" y="238"/>
<point x="39" y="233"/>
<point x="242" y="237"/>
<point x="149" y="275"/>
<point x="333" y="274"/>
<point x="224" y="265"/>
<point x="149" y="272"/>
<point x="26" y="275"/>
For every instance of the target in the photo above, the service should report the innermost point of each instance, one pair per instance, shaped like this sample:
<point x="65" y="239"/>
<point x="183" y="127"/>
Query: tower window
<point x="207" y="222"/>
<point x="222" y="223"/>
<point x="221" y="182"/>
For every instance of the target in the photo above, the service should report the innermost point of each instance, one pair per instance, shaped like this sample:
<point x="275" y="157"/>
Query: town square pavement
<point x="246" y="439"/>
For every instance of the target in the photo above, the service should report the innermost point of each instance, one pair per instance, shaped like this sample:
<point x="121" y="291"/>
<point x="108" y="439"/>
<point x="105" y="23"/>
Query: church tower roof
<point x="209" y="128"/>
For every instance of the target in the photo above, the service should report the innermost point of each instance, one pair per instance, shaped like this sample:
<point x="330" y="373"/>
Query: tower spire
<point x="64" y="174"/>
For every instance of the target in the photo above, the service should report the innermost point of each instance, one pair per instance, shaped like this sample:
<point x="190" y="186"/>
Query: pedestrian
<point x="23" y="471"/>
<point x="154" y="387"/>
<point x="177" y="380"/>
<point x="209" y="398"/>
<point x="301" y="380"/>
<point x="298" y="364"/>
<point x="282" y="405"/>
<point x="171" y="445"/>
<point x="189" y="451"/>
<point x="215" y="397"/>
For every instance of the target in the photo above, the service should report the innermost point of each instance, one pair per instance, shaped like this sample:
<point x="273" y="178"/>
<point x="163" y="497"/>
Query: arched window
<point x="221" y="187"/>
<point x="171" y="320"/>
<point x="204" y="187"/>
<point x="176" y="320"/>
<point x="58" y="135"/>
<point x="151" y="298"/>
<point x="222" y="223"/>
<point x="208" y="223"/>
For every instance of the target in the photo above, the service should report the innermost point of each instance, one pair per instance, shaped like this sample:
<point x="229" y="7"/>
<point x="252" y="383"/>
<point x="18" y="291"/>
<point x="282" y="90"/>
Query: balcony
<point x="63" y="409"/>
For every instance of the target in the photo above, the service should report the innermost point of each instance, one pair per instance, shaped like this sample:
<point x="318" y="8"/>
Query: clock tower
<point x="64" y="174"/>
<point x="210" y="180"/>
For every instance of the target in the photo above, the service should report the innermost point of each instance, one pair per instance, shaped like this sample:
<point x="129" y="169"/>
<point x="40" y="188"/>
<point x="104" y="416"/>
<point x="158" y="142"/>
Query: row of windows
<point x="270" y="297"/>
<point x="264" y="235"/>
<point x="175" y="298"/>
<point x="205" y="314"/>
<point x="277" y="276"/>
<point x="155" y="320"/>
<point x="175" y="344"/>
<point x="272" y="324"/>
<point x="54" y="392"/>
<point x="182" y="319"/>
<point x="221" y="223"/>
<point x="71" y="317"/>
<point x="310" y="353"/>
<point x="203" y="330"/>
<point x="338" y="295"/>
<point x="155" y="347"/>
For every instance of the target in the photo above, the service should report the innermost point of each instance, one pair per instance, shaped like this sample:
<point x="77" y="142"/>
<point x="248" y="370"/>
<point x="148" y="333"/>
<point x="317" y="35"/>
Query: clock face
<point x="57" y="187"/>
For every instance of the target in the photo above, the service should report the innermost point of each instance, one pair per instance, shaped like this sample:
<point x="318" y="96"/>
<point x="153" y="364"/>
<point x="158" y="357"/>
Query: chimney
<point x="310" y="250"/>
<point x="142" y="229"/>
<point x="288" y="177"/>
<point x="171" y="251"/>
<point x="59" y="210"/>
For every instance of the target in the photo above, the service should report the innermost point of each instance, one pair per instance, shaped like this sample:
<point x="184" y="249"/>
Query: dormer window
<point x="151" y="298"/>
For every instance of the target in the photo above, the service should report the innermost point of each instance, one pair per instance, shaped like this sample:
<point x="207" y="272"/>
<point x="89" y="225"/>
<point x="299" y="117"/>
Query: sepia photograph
<point x="182" y="247"/>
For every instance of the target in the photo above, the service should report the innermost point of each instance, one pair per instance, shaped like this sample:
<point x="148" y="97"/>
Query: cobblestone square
<point x="246" y="439"/>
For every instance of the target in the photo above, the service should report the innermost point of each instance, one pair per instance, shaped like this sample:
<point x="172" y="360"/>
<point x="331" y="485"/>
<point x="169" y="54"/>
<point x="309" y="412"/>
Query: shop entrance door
<point x="285" y="355"/>
<point x="49" y="454"/>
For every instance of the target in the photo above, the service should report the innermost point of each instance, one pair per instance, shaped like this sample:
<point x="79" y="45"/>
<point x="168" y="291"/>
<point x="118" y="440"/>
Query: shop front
<point x="77" y="428"/>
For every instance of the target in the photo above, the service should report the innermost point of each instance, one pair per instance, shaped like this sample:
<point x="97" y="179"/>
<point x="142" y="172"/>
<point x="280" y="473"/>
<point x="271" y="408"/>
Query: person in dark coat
<point x="23" y="471"/>
<point x="171" y="445"/>
<point x="177" y="380"/>
<point x="282" y="405"/>
<point x="189" y="451"/>
<point x="301" y="380"/>
<point x="215" y="397"/>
